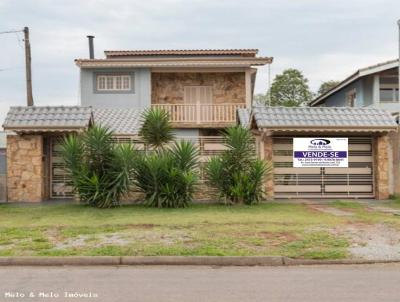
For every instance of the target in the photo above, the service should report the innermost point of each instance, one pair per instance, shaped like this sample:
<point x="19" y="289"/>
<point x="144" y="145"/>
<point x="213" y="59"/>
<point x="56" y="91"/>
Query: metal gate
<point x="60" y="179"/>
<point x="356" y="181"/>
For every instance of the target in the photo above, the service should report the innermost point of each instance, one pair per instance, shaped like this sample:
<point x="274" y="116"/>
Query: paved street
<point x="310" y="283"/>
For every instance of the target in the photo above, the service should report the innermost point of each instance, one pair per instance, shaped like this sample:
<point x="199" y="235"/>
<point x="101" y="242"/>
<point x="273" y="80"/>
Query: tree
<point x="290" y="89"/>
<point x="100" y="170"/>
<point x="326" y="86"/>
<point x="157" y="128"/>
<point x="237" y="173"/>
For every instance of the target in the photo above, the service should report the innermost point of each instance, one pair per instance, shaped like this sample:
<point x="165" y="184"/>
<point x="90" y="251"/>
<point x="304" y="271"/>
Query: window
<point x="388" y="93"/>
<point x="351" y="98"/>
<point x="113" y="82"/>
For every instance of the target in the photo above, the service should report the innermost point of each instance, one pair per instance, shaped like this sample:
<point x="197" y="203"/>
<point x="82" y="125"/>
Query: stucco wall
<point x="138" y="98"/>
<point x="25" y="181"/>
<point x="228" y="87"/>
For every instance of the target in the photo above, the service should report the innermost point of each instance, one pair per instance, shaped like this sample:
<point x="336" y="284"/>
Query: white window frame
<point x="113" y="79"/>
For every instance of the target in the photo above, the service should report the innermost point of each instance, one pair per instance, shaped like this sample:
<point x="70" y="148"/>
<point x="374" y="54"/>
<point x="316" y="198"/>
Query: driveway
<point x="186" y="283"/>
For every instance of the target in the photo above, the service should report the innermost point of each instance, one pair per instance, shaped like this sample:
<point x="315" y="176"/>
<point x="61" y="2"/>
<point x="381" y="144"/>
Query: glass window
<point x="386" y="94"/>
<point x="113" y="82"/>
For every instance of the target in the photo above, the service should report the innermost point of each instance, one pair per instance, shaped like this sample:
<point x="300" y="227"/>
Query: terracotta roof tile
<point x="242" y="52"/>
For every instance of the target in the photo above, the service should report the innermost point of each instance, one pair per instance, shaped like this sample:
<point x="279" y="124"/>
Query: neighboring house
<point x="201" y="90"/>
<point x="375" y="86"/>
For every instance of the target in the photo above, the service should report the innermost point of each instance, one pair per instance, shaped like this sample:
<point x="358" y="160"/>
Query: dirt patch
<point x="372" y="242"/>
<point x="385" y="210"/>
<point x="330" y="210"/>
<point x="282" y="236"/>
<point x="97" y="241"/>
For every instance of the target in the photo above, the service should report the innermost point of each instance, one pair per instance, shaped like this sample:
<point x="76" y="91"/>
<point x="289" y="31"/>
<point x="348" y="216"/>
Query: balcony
<point x="201" y="115"/>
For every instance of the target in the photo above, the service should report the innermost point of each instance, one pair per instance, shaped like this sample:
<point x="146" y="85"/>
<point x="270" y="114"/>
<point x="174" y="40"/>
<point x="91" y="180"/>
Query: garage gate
<point x="356" y="181"/>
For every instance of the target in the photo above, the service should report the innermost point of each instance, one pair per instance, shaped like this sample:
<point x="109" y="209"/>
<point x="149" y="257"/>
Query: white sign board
<point x="324" y="152"/>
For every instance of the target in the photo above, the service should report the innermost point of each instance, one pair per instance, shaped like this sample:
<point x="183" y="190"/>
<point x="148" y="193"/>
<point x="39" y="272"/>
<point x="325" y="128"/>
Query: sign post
<point x="331" y="152"/>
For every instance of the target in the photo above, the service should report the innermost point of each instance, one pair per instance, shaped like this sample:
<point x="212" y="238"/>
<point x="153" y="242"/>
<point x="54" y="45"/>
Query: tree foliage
<point x="290" y="89"/>
<point x="237" y="173"/>
<point x="326" y="86"/>
<point x="156" y="129"/>
<point x="100" y="170"/>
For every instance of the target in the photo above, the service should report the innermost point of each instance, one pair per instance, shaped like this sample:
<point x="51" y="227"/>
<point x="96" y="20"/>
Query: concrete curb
<point x="177" y="260"/>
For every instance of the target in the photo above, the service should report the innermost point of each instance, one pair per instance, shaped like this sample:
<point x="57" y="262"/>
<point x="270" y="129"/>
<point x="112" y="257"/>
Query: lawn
<point x="292" y="230"/>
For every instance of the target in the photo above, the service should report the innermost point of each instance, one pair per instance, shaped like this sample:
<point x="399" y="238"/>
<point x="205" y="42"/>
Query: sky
<point x="325" y="39"/>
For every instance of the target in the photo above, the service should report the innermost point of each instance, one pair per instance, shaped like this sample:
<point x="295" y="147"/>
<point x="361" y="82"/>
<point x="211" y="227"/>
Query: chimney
<point x="91" y="47"/>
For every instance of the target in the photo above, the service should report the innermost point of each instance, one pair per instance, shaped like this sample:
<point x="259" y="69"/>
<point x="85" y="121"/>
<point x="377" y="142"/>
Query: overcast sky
<point x="325" y="39"/>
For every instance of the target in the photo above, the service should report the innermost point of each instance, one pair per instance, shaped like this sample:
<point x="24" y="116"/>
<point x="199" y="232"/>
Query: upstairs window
<point x="113" y="82"/>
<point x="351" y="98"/>
<point x="388" y="93"/>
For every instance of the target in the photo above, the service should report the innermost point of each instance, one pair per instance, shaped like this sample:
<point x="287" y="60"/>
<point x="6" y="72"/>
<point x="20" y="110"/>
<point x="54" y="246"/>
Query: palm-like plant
<point x="168" y="174"/>
<point x="156" y="130"/>
<point x="237" y="174"/>
<point x="100" y="170"/>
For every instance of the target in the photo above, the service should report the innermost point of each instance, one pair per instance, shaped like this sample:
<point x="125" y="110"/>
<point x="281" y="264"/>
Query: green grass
<point x="266" y="229"/>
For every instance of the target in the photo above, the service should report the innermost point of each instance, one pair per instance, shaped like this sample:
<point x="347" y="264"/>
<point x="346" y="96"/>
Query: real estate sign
<point x="320" y="152"/>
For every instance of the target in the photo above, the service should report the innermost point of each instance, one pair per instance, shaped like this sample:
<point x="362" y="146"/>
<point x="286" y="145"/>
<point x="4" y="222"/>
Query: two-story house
<point x="201" y="90"/>
<point x="374" y="86"/>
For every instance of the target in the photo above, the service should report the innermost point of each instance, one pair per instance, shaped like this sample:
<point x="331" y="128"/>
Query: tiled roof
<point x="245" y="52"/>
<point x="244" y="116"/>
<point x="49" y="118"/>
<point x="174" y="62"/>
<point x="120" y="121"/>
<point x="322" y="117"/>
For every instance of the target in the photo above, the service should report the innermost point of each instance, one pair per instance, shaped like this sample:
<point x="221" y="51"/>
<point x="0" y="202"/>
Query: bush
<point x="237" y="174"/>
<point x="166" y="175"/>
<point x="100" y="169"/>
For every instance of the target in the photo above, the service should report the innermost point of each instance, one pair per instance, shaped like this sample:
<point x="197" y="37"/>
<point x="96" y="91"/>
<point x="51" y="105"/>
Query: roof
<point x="244" y="116"/>
<point x="120" y="121"/>
<point x="49" y="118"/>
<point x="323" y="118"/>
<point x="175" y="62"/>
<point x="193" y="52"/>
<point x="355" y="76"/>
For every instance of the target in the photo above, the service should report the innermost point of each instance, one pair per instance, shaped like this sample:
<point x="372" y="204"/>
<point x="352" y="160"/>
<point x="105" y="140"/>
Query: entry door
<point x="355" y="181"/>
<point x="200" y="98"/>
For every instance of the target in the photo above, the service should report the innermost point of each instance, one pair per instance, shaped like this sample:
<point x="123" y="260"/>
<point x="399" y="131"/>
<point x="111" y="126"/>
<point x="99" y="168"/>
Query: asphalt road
<point x="179" y="283"/>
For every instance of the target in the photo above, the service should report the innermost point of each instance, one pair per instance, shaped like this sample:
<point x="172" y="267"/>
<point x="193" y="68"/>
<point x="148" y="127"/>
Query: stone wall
<point x="381" y="148"/>
<point x="267" y="156"/>
<point x="168" y="88"/>
<point x="25" y="180"/>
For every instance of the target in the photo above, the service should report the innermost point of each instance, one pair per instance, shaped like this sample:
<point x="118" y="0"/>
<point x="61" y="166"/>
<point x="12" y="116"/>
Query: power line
<point x="11" y="31"/>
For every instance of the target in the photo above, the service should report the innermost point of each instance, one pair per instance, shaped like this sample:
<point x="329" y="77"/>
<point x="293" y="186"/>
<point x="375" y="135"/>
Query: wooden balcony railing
<point x="201" y="113"/>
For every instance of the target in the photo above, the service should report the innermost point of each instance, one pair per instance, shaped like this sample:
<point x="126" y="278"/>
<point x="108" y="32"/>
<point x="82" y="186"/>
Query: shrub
<point x="100" y="170"/>
<point x="166" y="175"/>
<point x="237" y="173"/>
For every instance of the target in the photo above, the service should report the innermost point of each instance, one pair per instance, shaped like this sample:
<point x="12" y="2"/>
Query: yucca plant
<point x="237" y="173"/>
<point x="166" y="175"/>
<point x="157" y="129"/>
<point x="100" y="170"/>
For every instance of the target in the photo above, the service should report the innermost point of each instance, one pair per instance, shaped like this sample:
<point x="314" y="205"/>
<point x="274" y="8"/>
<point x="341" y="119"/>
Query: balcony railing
<point x="201" y="113"/>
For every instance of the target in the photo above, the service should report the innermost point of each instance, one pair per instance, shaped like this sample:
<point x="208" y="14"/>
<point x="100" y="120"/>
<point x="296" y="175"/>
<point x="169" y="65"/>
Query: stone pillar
<point x="395" y="143"/>
<point x="267" y="156"/>
<point x="25" y="181"/>
<point x="382" y="172"/>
